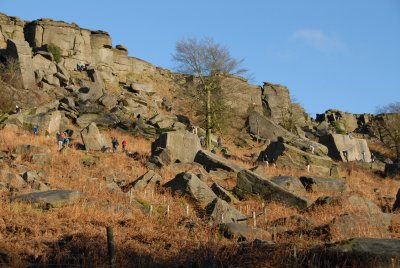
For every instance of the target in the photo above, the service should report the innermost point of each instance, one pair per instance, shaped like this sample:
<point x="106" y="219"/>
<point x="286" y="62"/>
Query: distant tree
<point x="209" y="63"/>
<point x="388" y="125"/>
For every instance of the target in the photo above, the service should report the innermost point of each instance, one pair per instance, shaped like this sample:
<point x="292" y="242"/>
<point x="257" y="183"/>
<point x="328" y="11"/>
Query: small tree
<point x="209" y="63"/>
<point x="388" y="126"/>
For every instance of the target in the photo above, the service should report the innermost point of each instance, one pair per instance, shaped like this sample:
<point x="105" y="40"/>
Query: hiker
<point x="60" y="140"/>
<point x="65" y="140"/>
<point x="219" y="141"/>
<point x="363" y="156"/>
<point x="115" y="144"/>
<point x="346" y="155"/>
<point x="372" y="159"/>
<point x="350" y="134"/>
<point x="265" y="159"/>
<point x="36" y="130"/>
<point x="17" y="109"/>
<point x="202" y="141"/>
<point x="124" y="143"/>
<point x="262" y="90"/>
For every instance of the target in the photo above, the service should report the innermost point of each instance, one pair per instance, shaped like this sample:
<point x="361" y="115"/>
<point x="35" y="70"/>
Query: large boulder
<point x="48" y="121"/>
<point x="250" y="183"/>
<point x="92" y="138"/>
<point x="176" y="146"/>
<point x="145" y="89"/>
<point x="11" y="27"/>
<point x="223" y="193"/>
<point x="219" y="211"/>
<point x="285" y="155"/>
<point x="314" y="184"/>
<point x="189" y="184"/>
<point x="50" y="199"/>
<point x="21" y="52"/>
<point x="149" y="180"/>
<point x="292" y="184"/>
<point x="211" y="161"/>
<point x="276" y="101"/>
<point x="243" y="232"/>
<point x="357" y="149"/>
<point x="357" y="252"/>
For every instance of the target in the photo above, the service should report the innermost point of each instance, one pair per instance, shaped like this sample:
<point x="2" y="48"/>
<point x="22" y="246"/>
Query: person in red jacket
<point x="124" y="143"/>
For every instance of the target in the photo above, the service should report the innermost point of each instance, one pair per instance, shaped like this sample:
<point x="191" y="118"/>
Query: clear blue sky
<point x="342" y="54"/>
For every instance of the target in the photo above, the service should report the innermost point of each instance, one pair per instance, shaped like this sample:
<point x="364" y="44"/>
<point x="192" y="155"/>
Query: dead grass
<point x="31" y="235"/>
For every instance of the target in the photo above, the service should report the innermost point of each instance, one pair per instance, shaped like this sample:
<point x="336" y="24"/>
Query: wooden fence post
<point x="111" y="247"/>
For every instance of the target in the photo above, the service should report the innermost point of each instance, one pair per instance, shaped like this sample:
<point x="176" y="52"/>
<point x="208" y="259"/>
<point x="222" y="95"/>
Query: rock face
<point x="50" y="199"/>
<point x="177" y="146"/>
<point x="50" y="122"/>
<point x="191" y="185"/>
<point x="276" y="101"/>
<point x="342" y="122"/>
<point x="22" y="53"/>
<point x="92" y="138"/>
<point x="220" y="211"/>
<point x="250" y="183"/>
<point x="11" y="28"/>
<point x="357" y="149"/>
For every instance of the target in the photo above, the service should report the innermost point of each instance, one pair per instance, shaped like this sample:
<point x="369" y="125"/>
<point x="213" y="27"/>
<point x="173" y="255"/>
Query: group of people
<point x="62" y="139"/>
<point x="115" y="144"/>
<point x="80" y="67"/>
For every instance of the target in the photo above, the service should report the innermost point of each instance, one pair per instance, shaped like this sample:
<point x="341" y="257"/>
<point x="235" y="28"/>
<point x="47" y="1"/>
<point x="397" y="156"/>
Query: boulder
<point x="223" y="193"/>
<point x="41" y="159"/>
<point x="392" y="170"/>
<point x="148" y="180"/>
<point x="276" y="101"/>
<point x="92" y="138"/>
<point x="47" y="121"/>
<point x="109" y="101"/>
<point x="177" y="146"/>
<point x="20" y="51"/>
<point x="144" y="89"/>
<point x="357" y="252"/>
<point x="50" y="199"/>
<point x="212" y="161"/>
<point x="243" y="232"/>
<point x="250" y="183"/>
<point x="357" y="149"/>
<point x="189" y="184"/>
<point x="291" y="184"/>
<point x="11" y="181"/>
<point x="314" y="184"/>
<point x="163" y="121"/>
<point x="220" y="211"/>
<point x="284" y="155"/>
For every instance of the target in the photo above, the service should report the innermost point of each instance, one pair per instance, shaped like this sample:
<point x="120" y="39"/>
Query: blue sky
<point x="342" y="54"/>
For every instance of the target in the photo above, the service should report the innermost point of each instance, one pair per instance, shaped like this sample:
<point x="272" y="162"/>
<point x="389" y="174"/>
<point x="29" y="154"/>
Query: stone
<point x="149" y="180"/>
<point x="41" y="159"/>
<point x="42" y="63"/>
<point x="189" y="184"/>
<point x="109" y="101"/>
<point x="223" y="193"/>
<point x="219" y="211"/>
<point x="284" y="155"/>
<point x="11" y="180"/>
<point x="357" y="252"/>
<point x="46" y="121"/>
<point x="50" y="199"/>
<point x="243" y="232"/>
<point x="212" y="161"/>
<point x="163" y="121"/>
<point x="179" y="146"/>
<point x="22" y="52"/>
<point x="291" y="184"/>
<point x="328" y="185"/>
<point x="392" y="170"/>
<point x="276" y="101"/>
<point x="122" y="47"/>
<point x="251" y="183"/>
<point x="92" y="138"/>
<point x="146" y="89"/>
<point x="357" y="149"/>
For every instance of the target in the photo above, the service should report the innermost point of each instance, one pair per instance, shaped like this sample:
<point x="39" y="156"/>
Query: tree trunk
<point x="208" y="118"/>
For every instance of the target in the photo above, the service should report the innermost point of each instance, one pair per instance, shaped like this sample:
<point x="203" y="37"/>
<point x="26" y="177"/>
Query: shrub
<point x="56" y="51"/>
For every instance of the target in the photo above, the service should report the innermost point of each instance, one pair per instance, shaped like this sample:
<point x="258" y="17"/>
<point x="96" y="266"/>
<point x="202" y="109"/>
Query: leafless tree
<point x="388" y="125"/>
<point x="209" y="63"/>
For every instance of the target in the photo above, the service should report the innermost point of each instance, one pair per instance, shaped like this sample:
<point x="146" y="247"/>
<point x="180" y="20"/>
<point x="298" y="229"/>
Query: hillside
<point x="278" y="189"/>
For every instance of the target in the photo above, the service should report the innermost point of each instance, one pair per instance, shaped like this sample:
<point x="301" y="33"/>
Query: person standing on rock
<point x="202" y="141"/>
<point x="124" y="143"/>
<point x="372" y="159"/>
<point x="115" y="144"/>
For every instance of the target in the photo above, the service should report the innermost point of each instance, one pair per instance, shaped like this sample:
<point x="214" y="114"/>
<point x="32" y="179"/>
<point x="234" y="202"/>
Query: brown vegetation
<point x="76" y="236"/>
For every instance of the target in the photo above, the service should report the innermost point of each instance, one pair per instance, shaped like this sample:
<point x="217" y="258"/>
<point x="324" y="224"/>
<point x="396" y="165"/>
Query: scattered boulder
<point x="220" y="211"/>
<point x="50" y="199"/>
<point x="223" y="193"/>
<point x="175" y="147"/>
<point x="148" y="180"/>
<point x="212" y="161"/>
<point x="243" y="232"/>
<point x="191" y="185"/>
<point x="292" y="184"/>
<point x="392" y="170"/>
<point x="340" y="145"/>
<point x="92" y="138"/>
<point x="250" y="183"/>
<point x="314" y="184"/>
<point x="145" y="89"/>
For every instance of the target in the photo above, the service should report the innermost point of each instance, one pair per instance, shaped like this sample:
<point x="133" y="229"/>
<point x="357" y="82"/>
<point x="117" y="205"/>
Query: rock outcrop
<point x="92" y="138"/>
<point x="345" y="148"/>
